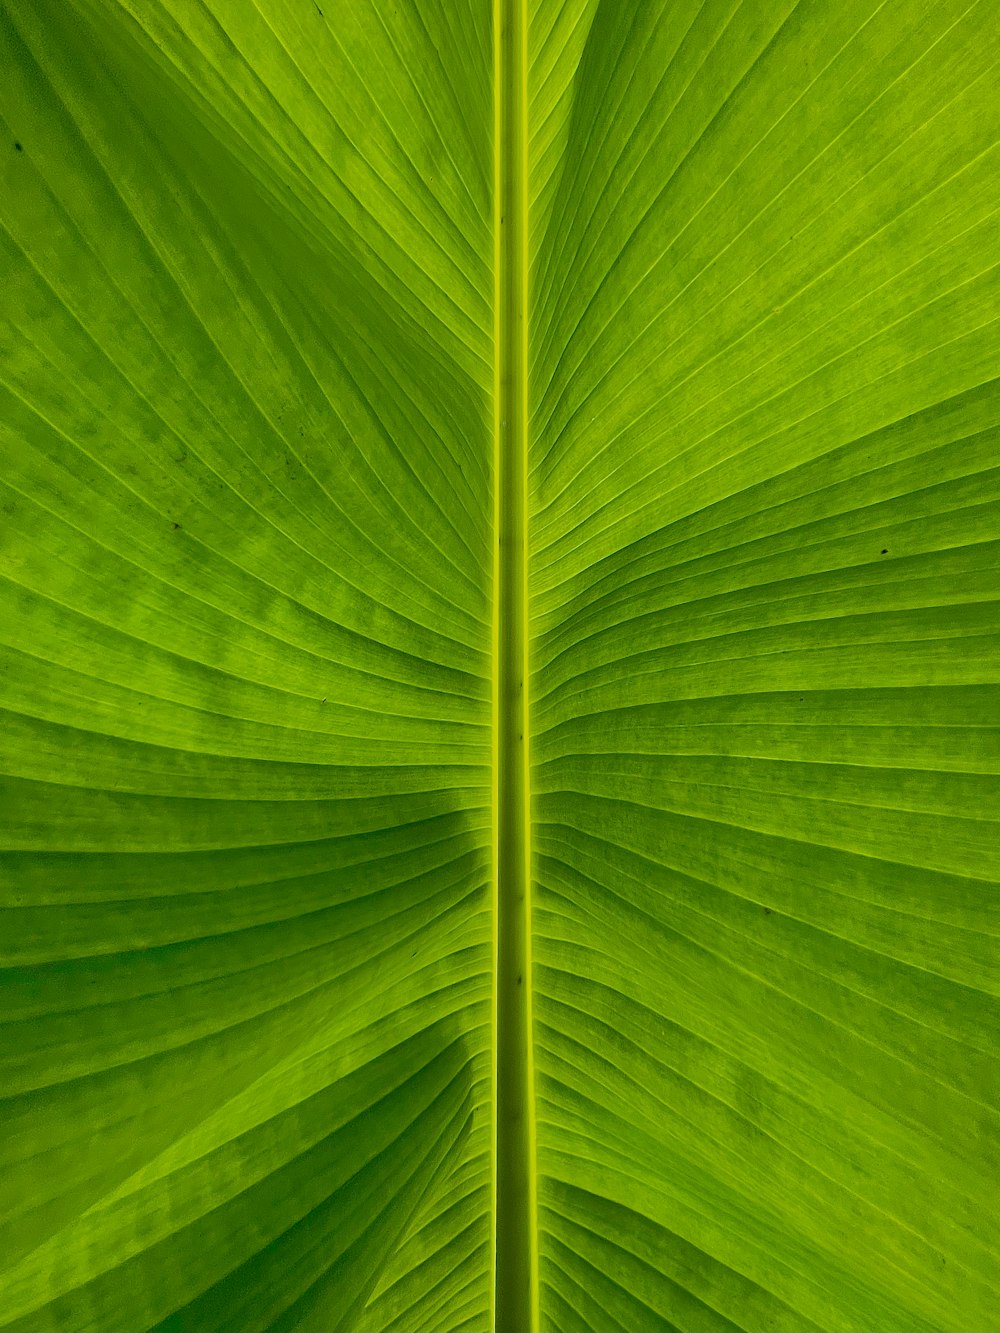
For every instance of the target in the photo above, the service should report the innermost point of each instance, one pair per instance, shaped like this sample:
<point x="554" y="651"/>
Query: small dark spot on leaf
<point x="519" y="978"/>
<point x="175" y="526"/>
<point x="323" y="700"/>
<point x="767" y="911"/>
<point x="18" y="146"/>
<point x="885" y="550"/>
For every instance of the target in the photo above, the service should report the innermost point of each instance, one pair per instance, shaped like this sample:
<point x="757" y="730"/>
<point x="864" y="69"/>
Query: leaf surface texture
<point x="247" y="576"/>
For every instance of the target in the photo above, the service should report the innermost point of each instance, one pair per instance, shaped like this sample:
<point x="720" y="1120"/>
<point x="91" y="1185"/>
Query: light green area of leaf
<point x="247" y="1031"/>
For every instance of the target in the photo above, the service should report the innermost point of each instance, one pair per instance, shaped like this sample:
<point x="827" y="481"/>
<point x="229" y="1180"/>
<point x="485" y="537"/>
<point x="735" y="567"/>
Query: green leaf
<point x="498" y="606"/>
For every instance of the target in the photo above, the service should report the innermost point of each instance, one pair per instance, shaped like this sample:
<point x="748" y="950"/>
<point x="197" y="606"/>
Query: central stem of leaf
<point x="516" y="1304"/>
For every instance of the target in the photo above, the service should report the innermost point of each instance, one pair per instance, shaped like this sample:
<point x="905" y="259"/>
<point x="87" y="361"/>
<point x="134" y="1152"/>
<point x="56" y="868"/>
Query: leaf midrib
<point x="516" y="1230"/>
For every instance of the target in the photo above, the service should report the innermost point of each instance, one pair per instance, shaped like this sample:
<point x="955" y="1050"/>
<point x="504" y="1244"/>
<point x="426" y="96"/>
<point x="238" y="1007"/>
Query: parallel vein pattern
<point x="248" y="408"/>
<point x="245" y="580"/>
<point x="764" y="571"/>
